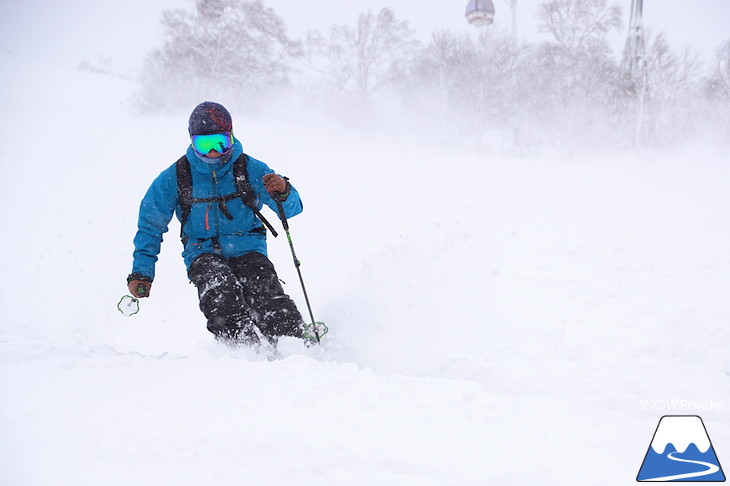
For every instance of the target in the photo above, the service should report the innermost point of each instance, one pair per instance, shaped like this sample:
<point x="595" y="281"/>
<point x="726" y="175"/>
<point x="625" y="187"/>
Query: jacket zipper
<point x="215" y="211"/>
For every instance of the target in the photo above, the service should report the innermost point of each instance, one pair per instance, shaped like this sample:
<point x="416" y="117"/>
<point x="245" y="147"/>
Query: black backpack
<point x="243" y="191"/>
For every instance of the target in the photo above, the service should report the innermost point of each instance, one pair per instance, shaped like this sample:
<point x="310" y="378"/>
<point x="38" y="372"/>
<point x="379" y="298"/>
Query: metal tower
<point x="635" y="69"/>
<point x="634" y="61"/>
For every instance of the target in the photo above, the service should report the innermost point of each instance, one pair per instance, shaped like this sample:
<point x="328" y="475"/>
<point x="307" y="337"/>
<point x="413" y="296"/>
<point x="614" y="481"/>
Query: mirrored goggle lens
<point x="220" y="142"/>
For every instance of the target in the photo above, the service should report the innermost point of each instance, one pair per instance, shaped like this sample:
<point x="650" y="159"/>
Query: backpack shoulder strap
<point x="245" y="191"/>
<point x="184" y="189"/>
<point x="240" y="172"/>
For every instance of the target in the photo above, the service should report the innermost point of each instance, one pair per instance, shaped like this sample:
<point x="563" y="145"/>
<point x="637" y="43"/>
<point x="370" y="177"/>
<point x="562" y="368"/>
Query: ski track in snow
<point x="477" y="336"/>
<point x="711" y="469"/>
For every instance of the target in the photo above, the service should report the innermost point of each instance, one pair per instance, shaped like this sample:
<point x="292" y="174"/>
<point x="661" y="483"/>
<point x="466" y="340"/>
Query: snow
<point x="681" y="432"/>
<point x="496" y="317"/>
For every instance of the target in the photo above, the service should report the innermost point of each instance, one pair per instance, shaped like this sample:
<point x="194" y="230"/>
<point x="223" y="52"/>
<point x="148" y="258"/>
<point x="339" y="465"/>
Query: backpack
<point x="243" y="191"/>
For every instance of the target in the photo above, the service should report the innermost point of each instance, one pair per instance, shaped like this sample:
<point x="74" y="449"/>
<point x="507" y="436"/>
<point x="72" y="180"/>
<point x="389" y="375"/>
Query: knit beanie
<point x="209" y="117"/>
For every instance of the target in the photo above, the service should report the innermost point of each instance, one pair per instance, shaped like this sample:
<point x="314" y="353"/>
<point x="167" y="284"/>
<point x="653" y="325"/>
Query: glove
<point x="139" y="285"/>
<point x="277" y="186"/>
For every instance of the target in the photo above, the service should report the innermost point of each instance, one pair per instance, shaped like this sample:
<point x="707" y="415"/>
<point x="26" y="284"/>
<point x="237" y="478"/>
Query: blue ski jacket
<point x="207" y="229"/>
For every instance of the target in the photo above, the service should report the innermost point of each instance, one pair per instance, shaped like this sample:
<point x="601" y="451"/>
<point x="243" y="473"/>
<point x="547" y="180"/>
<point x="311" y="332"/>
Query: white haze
<point x="499" y="314"/>
<point x="122" y="33"/>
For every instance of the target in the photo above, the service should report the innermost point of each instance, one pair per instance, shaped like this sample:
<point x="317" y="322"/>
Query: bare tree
<point x="578" y="24"/>
<point x="673" y="100"/>
<point x="670" y="76"/>
<point x="719" y="83"/>
<point x="574" y="72"/>
<point x="364" y="58"/>
<point x="477" y="76"/>
<point x="229" y="49"/>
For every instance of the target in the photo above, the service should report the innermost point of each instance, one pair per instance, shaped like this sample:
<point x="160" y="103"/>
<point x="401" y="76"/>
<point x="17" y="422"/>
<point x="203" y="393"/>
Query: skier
<point x="223" y="236"/>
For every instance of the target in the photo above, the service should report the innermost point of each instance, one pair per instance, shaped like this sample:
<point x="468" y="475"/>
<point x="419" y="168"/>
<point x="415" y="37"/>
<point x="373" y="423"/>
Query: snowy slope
<point x="496" y="319"/>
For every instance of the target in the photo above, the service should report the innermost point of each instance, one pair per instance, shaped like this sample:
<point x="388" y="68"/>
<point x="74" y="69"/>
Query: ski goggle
<point x="220" y="142"/>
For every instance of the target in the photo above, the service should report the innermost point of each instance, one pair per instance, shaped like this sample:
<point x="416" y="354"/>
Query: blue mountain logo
<point x="681" y="451"/>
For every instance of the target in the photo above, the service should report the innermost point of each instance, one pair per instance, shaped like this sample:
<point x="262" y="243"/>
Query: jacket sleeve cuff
<point x="138" y="276"/>
<point x="284" y="195"/>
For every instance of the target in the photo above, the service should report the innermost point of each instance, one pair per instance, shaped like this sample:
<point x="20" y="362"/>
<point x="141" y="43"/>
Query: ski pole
<point x="277" y="197"/>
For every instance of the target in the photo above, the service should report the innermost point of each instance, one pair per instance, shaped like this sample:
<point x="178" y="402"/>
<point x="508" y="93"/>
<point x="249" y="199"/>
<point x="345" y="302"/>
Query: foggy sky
<point x="66" y="33"/>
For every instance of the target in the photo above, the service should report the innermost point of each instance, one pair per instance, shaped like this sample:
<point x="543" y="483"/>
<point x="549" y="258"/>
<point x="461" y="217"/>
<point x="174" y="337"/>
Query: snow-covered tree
<point x="225" y="49"/>
<point x="673" y="95"/>
<point x="573" y="72"/>
<point x="578" y="25"/>
<point x="719" y="82"/>
<point x="362" y="59"/>
<point x="478" y="76"/>
<point x="578" y="57"/>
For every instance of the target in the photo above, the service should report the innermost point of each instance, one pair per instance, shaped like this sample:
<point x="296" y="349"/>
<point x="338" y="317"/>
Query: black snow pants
<point x="239" y="293"/>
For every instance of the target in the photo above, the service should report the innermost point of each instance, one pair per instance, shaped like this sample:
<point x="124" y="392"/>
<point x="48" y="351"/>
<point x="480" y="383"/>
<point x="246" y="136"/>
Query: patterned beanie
<point x="209" y="117"/>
